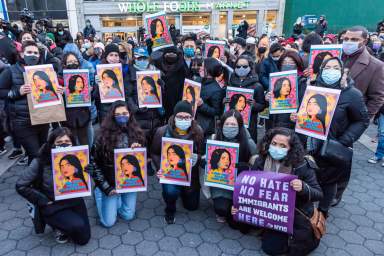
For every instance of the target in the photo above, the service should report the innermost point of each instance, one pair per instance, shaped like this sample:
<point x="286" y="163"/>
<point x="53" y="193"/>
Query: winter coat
<point x="62" y="40"/>
<point x="58" y="53"/>
<point x="267" y="67"/>
<point x="89" y="30"/>
<point x="368" y="74"/>
<point x="321" y="27"/>
<point x="212" y="108"/>
<point x="251" y="82"/>
<point x="7" y="50"/>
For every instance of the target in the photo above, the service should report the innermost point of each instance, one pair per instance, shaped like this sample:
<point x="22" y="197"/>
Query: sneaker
<point x="16" y="153"/>
<point x="169" y="219"/>
<point x="60" y="237"/>
<point x="23" y="161"/>
<point x="373" y="160"/>
<point x="3" y="151"/>
<point x="220" y="219"/>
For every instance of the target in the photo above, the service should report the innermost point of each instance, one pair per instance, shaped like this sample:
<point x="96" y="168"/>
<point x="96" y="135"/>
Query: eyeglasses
<point x="244" y="66"/>
<point x="185" y="118"/>
<point x="121" y="114"/>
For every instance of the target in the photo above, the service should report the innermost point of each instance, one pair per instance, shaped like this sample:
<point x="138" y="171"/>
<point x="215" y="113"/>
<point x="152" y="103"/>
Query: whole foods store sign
<point x="179" y="6"/>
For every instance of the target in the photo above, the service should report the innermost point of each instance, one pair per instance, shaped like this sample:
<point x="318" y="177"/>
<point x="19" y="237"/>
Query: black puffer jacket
<point x="62" y="40"/>
<point x="212" y="95"/>
<point x="36" y="185"/>
<point x="251" y="82"/>
<point x="311" y="189"/>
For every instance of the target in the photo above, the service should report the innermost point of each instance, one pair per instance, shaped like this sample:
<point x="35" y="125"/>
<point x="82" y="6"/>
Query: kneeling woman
<point x="118" y="130"/>
<point x="180" y="126"/>
<point x="68" y="217"/>
<point x="281" y="151"/>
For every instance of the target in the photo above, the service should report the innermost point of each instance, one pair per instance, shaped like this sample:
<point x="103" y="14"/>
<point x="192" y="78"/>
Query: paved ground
<point x="356" y="227"/>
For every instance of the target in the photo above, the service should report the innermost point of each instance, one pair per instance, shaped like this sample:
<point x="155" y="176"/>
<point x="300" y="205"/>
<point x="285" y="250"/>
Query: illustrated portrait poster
<point x="191" y="93"/>
<point x="176" y="162"/>
<point x="69" y="178"/>
<point x="111" y="86"/>
<point x="157" y="27"/>
<point x="220" y="170"/>
<point x="130" y="169"/>
<point x="238" y="99"/>
<point x="283" y="88"/>
<point x="44" y="83"/>
<point x="214" y="49"/>
<point x="77" y="90"/>
<point x="319" y="53"/>
<point x="148" y="89"/>
<point x="316" y="111"/>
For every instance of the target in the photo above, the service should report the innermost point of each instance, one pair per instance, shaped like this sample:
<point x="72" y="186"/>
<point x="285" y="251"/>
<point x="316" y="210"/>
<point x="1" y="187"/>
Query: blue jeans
<point x="189" y="196"/>
<point x="109" y="206"/>
<point x="380" y="145"/>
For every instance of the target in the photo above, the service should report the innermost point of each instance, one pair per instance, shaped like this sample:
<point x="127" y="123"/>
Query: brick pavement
<point x="355" y="227"/>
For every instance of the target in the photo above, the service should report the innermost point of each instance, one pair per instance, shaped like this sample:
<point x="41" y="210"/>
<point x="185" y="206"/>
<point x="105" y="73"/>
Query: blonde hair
<point x="128" y="50"/>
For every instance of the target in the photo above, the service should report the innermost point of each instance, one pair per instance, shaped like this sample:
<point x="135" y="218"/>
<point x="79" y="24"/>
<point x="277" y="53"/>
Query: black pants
<point x="73" y="222"/>
<point x="31" y="137"/>
<point x="329" y="192"/>
<point x="189" y="196"/>
<point x="222" y="207"/>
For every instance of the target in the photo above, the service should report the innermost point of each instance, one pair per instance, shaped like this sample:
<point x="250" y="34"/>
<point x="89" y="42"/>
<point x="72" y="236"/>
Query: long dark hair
<point x="132" y="160"/>
<point x="321" y="100"/>
<point x="279" y="85"/>
<point x="319" y="60"/>
<point x="212" y="49"/>
<point x="113" y="76"/>
<point x="181" y="154"/>
<point x="75" y="162"/>
<point x="152" y="83"/>
<point x="153" y="26"/>
<point x="72" y="83"/>
<point x="192" y="91"/>
<point x="216" y="155"/>
<point x="45" y="77"/>
<point x="110" y="131"/>
<point x="296" y="58"/>
<point x="235" y="99"/>
<point x="296" y="152"/>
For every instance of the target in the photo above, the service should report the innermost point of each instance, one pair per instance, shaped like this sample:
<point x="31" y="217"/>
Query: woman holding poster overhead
<point x="118" y="130"/>
<point x="180" y="126"/>
<point x="231" y="129"/>
<point x="245" y="78"/>
<point x="349" y="121"/>
<point x="67" y="217"/>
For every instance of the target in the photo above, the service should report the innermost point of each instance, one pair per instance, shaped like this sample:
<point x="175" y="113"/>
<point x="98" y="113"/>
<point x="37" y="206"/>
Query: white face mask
<point x="350" y="48"/>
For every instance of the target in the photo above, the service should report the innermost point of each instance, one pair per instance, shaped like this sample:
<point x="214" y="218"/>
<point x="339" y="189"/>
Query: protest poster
<point x="111" y="86"/>
<point x="77" y="90"/>
<point x="238" y="100"/>
<point x="44" y="83"/>
<point x="157" y="27"/>
<point x="130" y="170"/>
<point x="176" y="163"/>
<point x="214" y="49"/>
<point x="283" y="88"/>
<point x="148" y="89"/>
<point x="265" y="113"/>
<point x="319" y="53"/>
<point x="316" y="111"/>
<point x="220" y="170"/>
<point x="69" y="178"/>
<point x="265" y="199"/>
<point x="191" y="93"/>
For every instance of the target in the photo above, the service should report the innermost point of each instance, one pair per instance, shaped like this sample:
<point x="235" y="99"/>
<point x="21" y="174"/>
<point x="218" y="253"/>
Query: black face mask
<point x="73" y="66"/>
<point x="31" y="60"/>
<point x="262" y="50"/>
<point x="170" y="58"/>
<point x="122" y="55"/>
<point x="63" y="145"/>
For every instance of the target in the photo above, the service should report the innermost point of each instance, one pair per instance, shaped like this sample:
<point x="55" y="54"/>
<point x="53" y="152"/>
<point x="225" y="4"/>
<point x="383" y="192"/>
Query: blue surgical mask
<point x="330" y="76"/>
<point x="189" y="52"/>
<point x="183" y="124"/>
<point x="275" y="58"/>
<point x="288" y="67"/>
<point x="277" y="153"/>
<point x="230" y="132"/>
<point x="61" y="33"/>
<point x="242" y="72"/>
<point x="122" y="120"/>
<point x="141" y="64"/>
<point x="350" y="48"/>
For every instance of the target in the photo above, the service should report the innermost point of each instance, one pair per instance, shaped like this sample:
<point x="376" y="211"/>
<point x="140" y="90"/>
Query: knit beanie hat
<point x="111" y="48"/>
<point x="183" y="106"/>
<point x="51" y="36"/>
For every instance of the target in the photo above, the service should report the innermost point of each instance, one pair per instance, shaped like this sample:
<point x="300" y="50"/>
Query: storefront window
<point x="222" y="24"/>
<point x="249" y="16"/>
<point x="271" y="19"/>
<point x="130" y="21"/>
<point x="195" y="22"/>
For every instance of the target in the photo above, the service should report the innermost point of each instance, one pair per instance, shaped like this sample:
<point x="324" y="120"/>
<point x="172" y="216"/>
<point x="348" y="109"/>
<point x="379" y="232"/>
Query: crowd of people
<point x="247" y="63"/>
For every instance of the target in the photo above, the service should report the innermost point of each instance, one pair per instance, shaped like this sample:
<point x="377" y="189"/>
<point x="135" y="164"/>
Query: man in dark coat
<point x="321" y="26"/>
<point x="269" y="65"/>
<point x="62" y="36"/>
<point x="89" y="29"/>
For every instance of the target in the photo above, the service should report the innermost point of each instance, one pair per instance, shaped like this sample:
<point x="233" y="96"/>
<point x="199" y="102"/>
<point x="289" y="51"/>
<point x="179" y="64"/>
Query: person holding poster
<point x="68" y="217"/>
<point x="245" y="78"/>
<point x="180" y="126"/>
<point x="78" y="118"/>
<point x="281" y="151"/>
<point x="118" y="130"/>
<point x="31" y="137"/>
<point x="231" y="129"/>
<point x="110" y="88"/>
<point x="157" y="27"/>
<point x="350" y="119"/>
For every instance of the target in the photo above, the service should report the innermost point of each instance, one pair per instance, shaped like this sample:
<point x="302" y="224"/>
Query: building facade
<point x="220" y="18"/>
